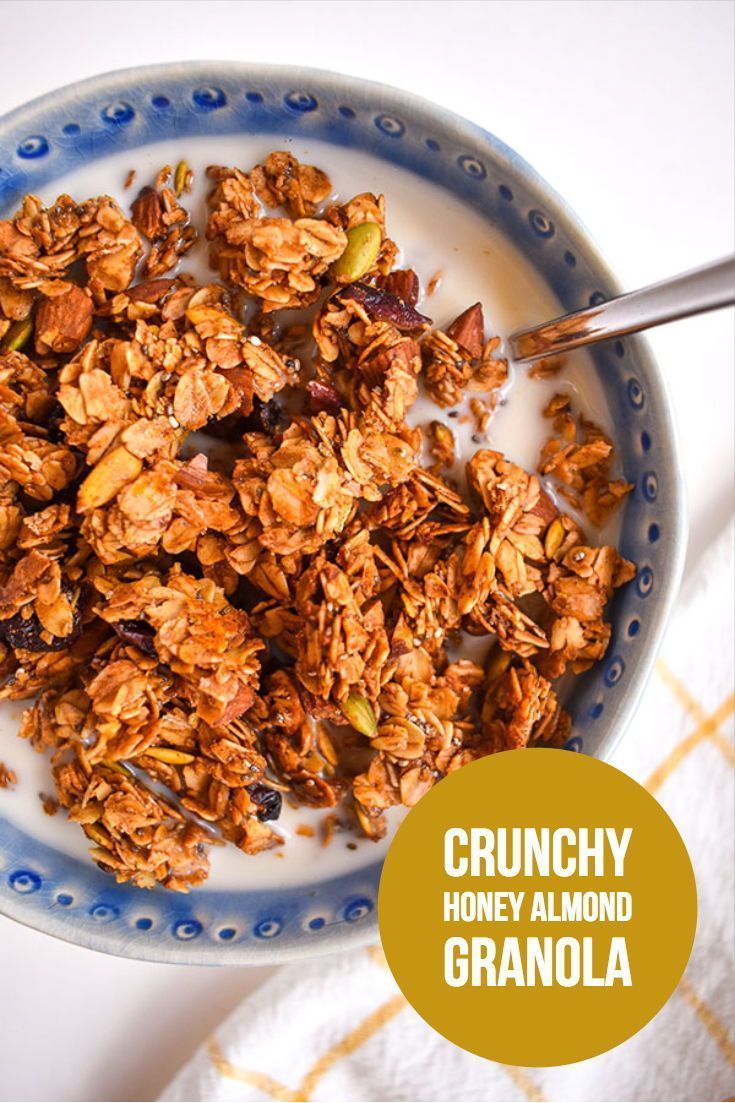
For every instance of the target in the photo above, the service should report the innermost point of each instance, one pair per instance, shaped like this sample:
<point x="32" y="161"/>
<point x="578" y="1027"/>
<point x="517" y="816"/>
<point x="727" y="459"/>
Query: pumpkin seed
<point x="361" y="251"/>
<point x="180" y="177"/>
<point x="360" y="715"/>
<point x="119" y="768"/>
<point x="17" y="336"/>
<point x="169" y="755"/>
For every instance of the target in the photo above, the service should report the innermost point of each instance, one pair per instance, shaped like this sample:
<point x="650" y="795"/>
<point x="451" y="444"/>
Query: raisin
<point x="264" y="418"/>
<point x="269" y="801"/>
<point x="28" y="634"/>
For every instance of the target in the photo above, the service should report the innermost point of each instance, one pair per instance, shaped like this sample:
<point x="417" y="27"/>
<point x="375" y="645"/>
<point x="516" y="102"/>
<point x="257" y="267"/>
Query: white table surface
<point x="626" y="107"/>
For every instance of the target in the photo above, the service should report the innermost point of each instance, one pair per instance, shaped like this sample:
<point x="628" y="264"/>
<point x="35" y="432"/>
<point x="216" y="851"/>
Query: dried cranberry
<point x="402" y="282"/>
<point x="269" y="801"/>
<point x="384" y="306"/>
<point x="323" y="397"/>
<point x="137" y="632"/>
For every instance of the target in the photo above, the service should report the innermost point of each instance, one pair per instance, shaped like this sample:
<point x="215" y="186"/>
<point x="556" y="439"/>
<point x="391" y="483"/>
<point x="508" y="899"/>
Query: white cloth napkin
<point x="337" y="1028"/>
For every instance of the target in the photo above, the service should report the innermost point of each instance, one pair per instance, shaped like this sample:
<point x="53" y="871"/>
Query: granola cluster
<point x="579" y="458"/>
<point x="232" y="572"/>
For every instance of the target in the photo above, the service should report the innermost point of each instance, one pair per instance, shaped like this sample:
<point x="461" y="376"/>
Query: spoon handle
<point x="695" y="292"/>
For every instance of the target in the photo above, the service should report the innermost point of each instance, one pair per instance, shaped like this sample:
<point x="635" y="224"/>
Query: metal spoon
<point x="708" y="288"/>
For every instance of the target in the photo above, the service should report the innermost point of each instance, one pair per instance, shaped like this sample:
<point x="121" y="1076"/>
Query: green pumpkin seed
<point x="361" y="252"/>
<point x="17" y="336"/>
<point x="359" y="714"/>
<point x="182" y="171"/>
<point x="169" y="755"/>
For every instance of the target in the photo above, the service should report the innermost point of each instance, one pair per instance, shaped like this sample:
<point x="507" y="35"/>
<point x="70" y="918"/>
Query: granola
<point x="163" y="221"/>
<point x="579" y="458"/>
<point x="460" y="358"/>
<point x="233" y="571"/>
<point x="8" y="777"/>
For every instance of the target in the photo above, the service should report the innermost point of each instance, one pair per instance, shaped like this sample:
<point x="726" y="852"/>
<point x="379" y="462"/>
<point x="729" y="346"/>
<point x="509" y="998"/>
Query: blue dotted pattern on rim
<point x="119" y="113"/>
<point x="32" y="147"/>
<point x="92" y="901"/>
<point x="208" y="99"/>
<point x="93" y="125"/>
<point x="390" y="126"/>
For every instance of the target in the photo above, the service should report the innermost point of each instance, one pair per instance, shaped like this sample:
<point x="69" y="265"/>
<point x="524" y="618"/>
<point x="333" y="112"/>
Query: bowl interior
<point x="124" y="111"/>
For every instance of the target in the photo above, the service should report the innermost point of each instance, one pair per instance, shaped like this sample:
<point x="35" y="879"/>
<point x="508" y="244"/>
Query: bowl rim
<point x="345" y="936"/>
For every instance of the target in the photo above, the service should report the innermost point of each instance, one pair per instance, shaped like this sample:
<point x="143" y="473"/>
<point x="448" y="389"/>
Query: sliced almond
<point x="105" y="481"/>
<point x="554" y="538"/>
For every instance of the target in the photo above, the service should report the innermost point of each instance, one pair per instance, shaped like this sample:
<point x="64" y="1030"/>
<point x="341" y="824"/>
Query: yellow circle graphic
<point x="537" y="907"/>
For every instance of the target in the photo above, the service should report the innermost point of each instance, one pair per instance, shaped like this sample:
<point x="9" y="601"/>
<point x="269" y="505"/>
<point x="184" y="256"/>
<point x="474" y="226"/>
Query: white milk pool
<point x="437" y="235"/>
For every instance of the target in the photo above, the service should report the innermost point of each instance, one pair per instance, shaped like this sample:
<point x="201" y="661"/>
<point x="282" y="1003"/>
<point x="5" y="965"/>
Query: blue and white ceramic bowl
<point x="49" y="888"/>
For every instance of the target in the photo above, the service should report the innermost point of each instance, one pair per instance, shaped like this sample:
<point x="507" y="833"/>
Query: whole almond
<point x="147" y="213"/>
<point x="63" y="322"/>
<point x="544" y="508"/>
<point x="468" y="330"/>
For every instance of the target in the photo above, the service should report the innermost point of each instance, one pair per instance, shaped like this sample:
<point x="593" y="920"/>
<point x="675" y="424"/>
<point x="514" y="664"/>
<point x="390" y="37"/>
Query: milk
<point x="474" y="262"/>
